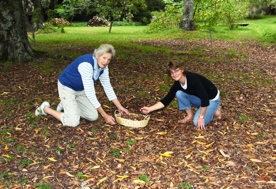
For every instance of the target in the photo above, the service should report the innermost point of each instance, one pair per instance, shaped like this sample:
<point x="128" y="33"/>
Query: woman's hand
<point x="200" y="123"/>
<point x="123" y="110"/>
<point x="145" y="110"/>
<point x="109" y="119"/>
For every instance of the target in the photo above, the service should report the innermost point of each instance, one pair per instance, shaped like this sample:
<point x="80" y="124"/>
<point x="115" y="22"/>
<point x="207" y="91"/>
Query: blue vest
<point x="70" y="76"/>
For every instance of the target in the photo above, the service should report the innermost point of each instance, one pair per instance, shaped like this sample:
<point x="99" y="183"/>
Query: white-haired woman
<point x="77" y="92"/>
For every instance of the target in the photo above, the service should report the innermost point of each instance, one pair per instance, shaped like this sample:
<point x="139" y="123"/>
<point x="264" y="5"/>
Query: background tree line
<point x="19" y="16"/>
<point x="209" y="12"/>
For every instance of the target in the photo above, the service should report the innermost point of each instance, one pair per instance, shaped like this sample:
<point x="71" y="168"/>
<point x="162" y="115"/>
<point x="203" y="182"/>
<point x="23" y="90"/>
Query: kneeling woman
<point x="191" y="89"/>
<point x="77" y="91"/>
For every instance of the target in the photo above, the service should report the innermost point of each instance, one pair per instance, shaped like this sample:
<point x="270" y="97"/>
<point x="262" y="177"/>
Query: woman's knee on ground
<point x="72" y="123"/>
<point x="93" y="116"/>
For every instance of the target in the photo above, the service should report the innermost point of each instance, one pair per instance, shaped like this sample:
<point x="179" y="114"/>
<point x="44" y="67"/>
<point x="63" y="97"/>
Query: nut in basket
<point x="132" y="120"/>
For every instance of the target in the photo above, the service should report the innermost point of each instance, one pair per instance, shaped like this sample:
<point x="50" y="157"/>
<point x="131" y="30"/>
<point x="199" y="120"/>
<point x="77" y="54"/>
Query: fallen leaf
<point x="189" y="155"/>
<point x="230" y="163"/>
<point x="137" y="181"/>
<point x="96" y="167"/>
<point x="223" y="154"/>
<point x="122" y="176"/>
<point x="52" y="159"/>
<point x="102" y="180"/>
<point x="166" y="154"/>
<point x="161" y="133"/>
<point x="256" y="160"/>
<point x="5" y="155"/>
<point x="120" y="160"/>
<point x="171" y="185"/>
<point x="208" y="145"/>
<point x="70" y="175"/>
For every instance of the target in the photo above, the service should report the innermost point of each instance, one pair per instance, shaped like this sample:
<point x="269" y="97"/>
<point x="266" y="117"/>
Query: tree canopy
<point x="114" y="10"/>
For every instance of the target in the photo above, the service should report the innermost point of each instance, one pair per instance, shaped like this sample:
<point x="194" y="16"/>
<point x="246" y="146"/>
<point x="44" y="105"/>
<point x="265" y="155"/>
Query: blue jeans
<point x="185" y="101"/>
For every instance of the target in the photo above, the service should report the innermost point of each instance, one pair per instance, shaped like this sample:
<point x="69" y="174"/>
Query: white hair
<point x="104" y="48"/>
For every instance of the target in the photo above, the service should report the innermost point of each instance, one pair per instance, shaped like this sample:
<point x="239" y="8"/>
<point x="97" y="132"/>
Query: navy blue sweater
<point x="70" y="76"/>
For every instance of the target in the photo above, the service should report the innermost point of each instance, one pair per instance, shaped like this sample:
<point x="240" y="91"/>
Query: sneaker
<point x="59" y="107"/>
<point x="40" y="110"/>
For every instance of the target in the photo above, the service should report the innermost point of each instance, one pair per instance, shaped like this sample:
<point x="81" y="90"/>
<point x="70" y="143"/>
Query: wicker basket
<point x="131" y="123"/>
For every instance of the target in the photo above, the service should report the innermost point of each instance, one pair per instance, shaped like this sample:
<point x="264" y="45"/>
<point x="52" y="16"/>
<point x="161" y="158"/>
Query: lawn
<point x="237" y="151"/>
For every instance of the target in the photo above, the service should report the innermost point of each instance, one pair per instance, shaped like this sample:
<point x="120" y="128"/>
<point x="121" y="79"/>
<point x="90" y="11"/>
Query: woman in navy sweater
<point x="191" y="89"/>
<point x="77" y="91"/>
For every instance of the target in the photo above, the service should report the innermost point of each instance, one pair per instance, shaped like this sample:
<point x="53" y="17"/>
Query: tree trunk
<point x="110" y="26"/>
<point x="187" y="22"/>
<point x="14" y="44"/>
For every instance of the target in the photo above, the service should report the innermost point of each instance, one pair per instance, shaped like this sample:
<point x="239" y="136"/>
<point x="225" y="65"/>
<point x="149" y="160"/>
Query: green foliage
<point x="81" y="176"/>
<point x="4" y="178"/>
<point x="94" y="129"/>
<point x="206" y="13"/>
<point x="115" y="152"/>
<point x="23" y="181"/>
<point x="185" y="185"/>
<point x="257" y="7"/>
<point x="69" y="8"/>
<point x="59" y="150"/>
<point x="31" y="118"/>
<point x="233" y="53"/>
<point x="21" y="148"/>
<point x="205" y="167"/>
<point x="48" y="28"/>
<point x="250" y="165"/>
<point x="130" y="142"/>
<point x="125" y="23"/>
<point x="244" y="117"/>
<point x="5" y="133"/>
<point x="270" y="35"/>
<point x="232" y="12"/>
<point x="223" y="94"/>
<point x="144" y="178"/>
<point x="44" y="131"/>
<point x="6" y="175"/>
<point x="114" y="10"/>
<point x="24" y="162"/>
<point x="126" y="150"/>
<point x="43" y="186"/>
<point x="228" y="12"/>
<point x="167" y="19"/>
<point x="261" y="136"/>
<point x="72" y="145"/>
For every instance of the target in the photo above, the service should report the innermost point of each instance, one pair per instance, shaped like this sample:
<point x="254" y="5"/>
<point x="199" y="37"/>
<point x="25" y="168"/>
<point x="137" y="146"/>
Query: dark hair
<point x="173" y="65"/>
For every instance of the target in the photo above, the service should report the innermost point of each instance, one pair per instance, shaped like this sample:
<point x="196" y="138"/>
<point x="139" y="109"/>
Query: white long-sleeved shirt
<point x="87" y="73"/>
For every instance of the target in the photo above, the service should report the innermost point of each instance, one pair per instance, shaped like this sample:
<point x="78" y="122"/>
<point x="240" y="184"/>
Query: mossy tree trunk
<point x="187" y="22"/>
<point x="14" y="44"/>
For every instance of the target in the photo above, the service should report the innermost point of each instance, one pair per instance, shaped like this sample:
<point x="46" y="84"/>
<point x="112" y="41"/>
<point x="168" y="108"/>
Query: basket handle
<point x="146" y="117"/>
<point x="116" y="112"/>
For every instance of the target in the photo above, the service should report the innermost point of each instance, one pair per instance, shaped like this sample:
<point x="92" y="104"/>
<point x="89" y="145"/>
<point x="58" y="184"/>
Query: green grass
<point x="80" y="38"/>
<point x="263" y="29"/>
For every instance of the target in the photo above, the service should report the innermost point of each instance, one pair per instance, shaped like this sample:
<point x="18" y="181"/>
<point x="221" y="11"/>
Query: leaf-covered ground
<point x="238" y="151"/>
